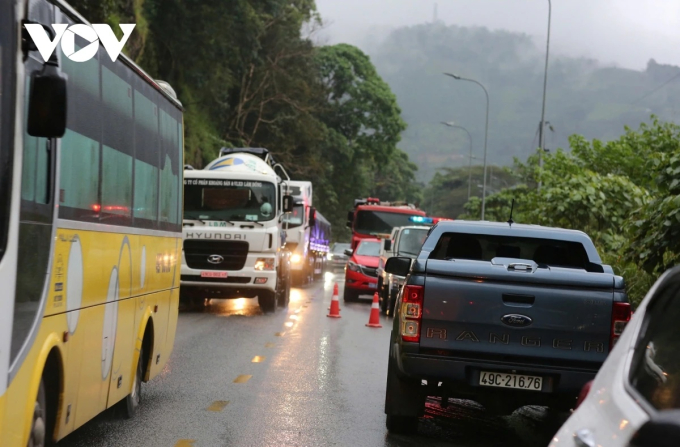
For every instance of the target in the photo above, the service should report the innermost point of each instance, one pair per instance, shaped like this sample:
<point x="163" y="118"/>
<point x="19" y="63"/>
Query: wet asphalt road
<point x="295" y="378"/>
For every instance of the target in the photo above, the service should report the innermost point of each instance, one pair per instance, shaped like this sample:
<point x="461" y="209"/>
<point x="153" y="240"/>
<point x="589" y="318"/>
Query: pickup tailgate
<point x="482" y="308"/>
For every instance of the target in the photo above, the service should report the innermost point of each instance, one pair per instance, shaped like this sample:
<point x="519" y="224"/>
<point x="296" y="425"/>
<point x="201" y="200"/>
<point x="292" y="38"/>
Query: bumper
<point x="462" y="374"/>
<point x="360" y="282"/>
<point x="337" y="264"/>
<point x="239" y="284"/>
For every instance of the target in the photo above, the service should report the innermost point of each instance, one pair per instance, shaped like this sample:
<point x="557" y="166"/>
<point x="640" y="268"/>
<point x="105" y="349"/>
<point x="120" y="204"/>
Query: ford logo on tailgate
<point x="215" y="259"/>
<point x="516" y="320"/>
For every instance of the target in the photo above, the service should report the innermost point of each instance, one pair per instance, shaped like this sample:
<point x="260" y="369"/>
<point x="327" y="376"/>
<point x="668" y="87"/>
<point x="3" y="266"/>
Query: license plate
<point x="516" y="381"/>
<point x="213" y="274"/>
<point x="372" y="285"/>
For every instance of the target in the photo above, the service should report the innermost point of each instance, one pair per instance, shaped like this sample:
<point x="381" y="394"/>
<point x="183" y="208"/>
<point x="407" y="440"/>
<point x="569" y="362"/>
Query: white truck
<point x="234" y="230"/>
<point x="307" y="236"/>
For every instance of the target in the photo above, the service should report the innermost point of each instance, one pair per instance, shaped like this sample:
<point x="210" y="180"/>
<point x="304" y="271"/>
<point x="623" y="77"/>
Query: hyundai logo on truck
<point x="516" y="320"/>
<point x="215" y="259"/>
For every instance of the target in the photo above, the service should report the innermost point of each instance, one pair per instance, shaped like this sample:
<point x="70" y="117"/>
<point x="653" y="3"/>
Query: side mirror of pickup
<point x="662" y="430"/>
<point x="348" y="252"/>
<point x="398" y="266"/>
<point x="387" y="244"/>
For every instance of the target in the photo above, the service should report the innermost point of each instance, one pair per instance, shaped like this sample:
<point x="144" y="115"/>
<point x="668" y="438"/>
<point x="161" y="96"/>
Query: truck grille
<point x="229" y="280"/>
<point x="215" y="255"/>
<point x="369" y="271"/>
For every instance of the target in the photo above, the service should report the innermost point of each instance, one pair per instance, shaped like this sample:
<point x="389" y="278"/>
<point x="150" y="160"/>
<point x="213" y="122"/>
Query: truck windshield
<point x="216" y="199"/>
<point x="369" y="248"/>
<point x="6" y="77"/>
<point x="296" y="217"/>
<point x="411" y="240"/>
<point x="483" y="247"/>
<point x="380" y="222"/>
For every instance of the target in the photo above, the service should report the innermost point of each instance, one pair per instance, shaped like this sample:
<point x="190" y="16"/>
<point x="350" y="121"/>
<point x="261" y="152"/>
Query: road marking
<point x="243" y="378"/>
<point x="185" y="443"/>
<point x="269" y="345"/>
<point x="288" y="324"/>
<point x="258" y="359"/>
<point x="279" y="334"/>
<point x="218" y="405"/>
<point x="304" y="305"/>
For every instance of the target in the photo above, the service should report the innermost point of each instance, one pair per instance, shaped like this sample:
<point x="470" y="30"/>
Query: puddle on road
<point x="242" y="307"/>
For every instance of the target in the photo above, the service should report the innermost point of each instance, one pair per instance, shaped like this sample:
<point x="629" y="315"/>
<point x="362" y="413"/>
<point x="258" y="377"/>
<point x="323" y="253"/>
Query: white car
<point x="635" y="397"/>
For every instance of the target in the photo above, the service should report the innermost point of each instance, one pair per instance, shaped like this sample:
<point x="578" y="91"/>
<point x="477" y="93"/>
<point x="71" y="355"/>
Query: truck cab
<point x="233" y="230"/>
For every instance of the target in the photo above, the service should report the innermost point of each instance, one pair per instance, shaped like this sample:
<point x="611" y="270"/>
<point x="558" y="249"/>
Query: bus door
<point x="36" y="216"/>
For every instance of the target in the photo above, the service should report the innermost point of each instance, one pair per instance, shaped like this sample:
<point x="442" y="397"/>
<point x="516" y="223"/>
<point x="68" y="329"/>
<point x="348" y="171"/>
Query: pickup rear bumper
<point x="462" y="376"/>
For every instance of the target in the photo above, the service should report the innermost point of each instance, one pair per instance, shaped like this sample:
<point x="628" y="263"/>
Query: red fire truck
<point x="372" y="218"/>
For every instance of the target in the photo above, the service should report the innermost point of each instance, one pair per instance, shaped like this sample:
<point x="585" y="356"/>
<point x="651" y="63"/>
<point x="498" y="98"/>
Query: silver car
<point x="337" y="257"/>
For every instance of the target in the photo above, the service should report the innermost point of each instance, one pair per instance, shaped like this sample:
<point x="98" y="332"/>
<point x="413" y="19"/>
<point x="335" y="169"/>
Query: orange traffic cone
<point x="374" y="320"/>
<point x="335" y="294"/>
<point x="335" y="304"/>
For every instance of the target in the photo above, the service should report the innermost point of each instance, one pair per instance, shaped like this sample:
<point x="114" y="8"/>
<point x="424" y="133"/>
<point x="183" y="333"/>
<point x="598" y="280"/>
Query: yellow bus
<point x="90" y="230"/>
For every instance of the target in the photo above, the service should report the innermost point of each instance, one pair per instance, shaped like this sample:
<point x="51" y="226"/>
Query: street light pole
<point x="486" y="133"/>
<point x="470" y="164"/>
<point x="541" y="129"/>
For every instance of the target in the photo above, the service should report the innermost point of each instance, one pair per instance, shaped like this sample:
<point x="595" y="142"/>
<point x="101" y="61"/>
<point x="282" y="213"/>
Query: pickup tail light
<point x="621" y="314"/>
<point x="583" y="394"/>
<point x="411" y="313"/>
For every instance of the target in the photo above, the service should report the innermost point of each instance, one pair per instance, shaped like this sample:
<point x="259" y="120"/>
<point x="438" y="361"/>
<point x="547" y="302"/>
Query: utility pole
<point x="436" y="16"/>
<point x="541" y="128"/>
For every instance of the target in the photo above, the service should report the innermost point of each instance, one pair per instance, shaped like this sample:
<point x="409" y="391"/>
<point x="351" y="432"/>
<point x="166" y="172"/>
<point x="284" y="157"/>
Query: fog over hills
<point x="606" y="71"/>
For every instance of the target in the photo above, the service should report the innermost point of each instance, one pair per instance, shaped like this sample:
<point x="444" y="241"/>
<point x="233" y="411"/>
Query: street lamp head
<point x="449" y="123"/>
<point x="454" y="76"/>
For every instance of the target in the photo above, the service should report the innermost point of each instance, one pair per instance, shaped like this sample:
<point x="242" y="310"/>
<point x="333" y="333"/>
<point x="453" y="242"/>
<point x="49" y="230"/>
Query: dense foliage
<point x="625" y="194"/>
<point x="249" y="75"/>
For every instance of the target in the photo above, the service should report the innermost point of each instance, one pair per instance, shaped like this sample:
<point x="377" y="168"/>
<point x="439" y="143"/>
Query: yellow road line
<point x="243" y="378"/>
<point x="218" y="405"/>
<point x="258" y="359"/>
<point x="279" y="334"/>
<point x="185" y="443"/>
<point x="269" y="345"/>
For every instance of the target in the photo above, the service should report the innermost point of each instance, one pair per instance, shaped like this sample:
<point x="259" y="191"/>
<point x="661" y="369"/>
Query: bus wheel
<point x="129" y="405"/>
<point x="38" y="427"/>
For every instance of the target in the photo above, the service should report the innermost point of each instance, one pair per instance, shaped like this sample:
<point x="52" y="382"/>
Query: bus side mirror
<point x="47" y="102"/>
<point x="350" y="218"/>
<point x="288" y="204"/>
<point x="312" y="216"/>
<point x="387" y="244"/>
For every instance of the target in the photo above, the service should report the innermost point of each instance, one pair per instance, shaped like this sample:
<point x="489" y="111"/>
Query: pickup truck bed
<point x="505" y="315"/>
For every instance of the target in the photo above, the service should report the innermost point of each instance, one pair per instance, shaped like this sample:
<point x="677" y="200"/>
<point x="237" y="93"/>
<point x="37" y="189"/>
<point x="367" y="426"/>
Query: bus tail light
<point x="621" y="314"/>
<point x="411" y="313"/>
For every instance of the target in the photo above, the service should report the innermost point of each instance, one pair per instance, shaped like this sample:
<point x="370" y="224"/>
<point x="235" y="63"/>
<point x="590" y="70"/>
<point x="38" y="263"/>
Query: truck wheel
<point x="267" y="301"/>
<point x="392" y="302"/>
<point x="284" y="295"/>
<point x="404" y="401"/>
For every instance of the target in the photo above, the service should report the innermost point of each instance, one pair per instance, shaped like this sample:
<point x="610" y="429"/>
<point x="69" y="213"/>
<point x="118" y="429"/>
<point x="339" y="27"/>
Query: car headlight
<point x="296" y="258"/>
<point x="353" y="266"/>
<point x="330" y="256"/>
<point x="265" y="264"/>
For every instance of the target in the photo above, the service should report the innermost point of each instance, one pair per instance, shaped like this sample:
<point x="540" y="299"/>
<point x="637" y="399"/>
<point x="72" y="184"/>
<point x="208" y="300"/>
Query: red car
<point x="361" y="277"/>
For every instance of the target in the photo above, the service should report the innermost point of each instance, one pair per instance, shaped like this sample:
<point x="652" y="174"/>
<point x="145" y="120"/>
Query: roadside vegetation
<point x="624" y="193"/>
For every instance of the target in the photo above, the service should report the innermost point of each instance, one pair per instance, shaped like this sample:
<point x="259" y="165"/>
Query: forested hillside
<point x="248" y="74"/>
<point x="583" y="98"/>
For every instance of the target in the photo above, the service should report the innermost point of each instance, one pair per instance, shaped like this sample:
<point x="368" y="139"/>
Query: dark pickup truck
<point x="504" y="314"/>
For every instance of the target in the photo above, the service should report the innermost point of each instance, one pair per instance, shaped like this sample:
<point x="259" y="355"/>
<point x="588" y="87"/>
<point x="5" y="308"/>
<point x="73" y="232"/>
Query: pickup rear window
<point x="484" y="247"/>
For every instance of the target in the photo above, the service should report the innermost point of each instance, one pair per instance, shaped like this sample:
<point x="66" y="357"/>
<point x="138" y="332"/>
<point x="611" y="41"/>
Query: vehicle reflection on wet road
<point x="238" y="377"/>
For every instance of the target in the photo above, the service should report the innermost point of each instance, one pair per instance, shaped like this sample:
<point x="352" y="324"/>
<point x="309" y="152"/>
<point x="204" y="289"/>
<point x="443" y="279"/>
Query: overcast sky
<point x="623" y="32"/>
